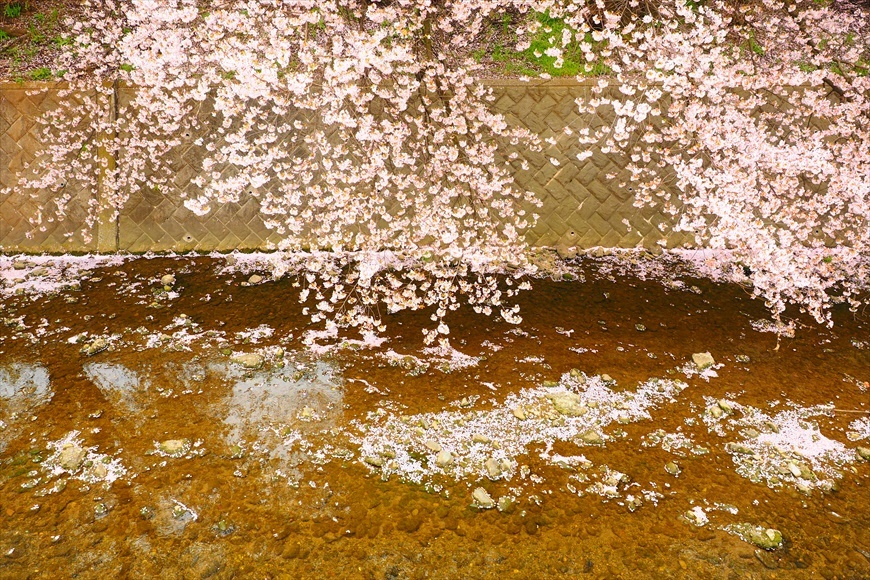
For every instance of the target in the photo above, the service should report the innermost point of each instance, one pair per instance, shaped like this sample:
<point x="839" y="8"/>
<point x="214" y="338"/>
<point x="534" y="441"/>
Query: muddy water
<point x="162" y="455"/>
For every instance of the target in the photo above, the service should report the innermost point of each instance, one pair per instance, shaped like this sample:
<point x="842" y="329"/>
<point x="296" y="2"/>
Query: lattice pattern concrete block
<point x="584" y="204"/>
<point x="20" y="144"/>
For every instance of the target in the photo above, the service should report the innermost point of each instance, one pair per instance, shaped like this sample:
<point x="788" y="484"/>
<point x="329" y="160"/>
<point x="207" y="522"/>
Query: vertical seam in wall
<point x="115" y="156"/>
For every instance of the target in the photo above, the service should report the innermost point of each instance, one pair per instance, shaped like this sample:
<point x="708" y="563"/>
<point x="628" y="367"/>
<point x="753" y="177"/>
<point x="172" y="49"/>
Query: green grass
<point x="533" y="60"/>
<point x="42" y="73"/>
<point x="13" y="10"/>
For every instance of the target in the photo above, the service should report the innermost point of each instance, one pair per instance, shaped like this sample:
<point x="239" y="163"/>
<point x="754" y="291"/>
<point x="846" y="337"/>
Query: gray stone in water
<point x="863" y="453"/>
<point x="444" y="459"/>
<point x="433" y="446"/>
<point x="494" y="468"/>
<point x="99" y="471"/>
<point x="764" y="538"/>
<point x="672" y="468"/>
<point x="703" y="360"/>
<point x="568" y="404"/>
<point x="725" y="406"/>
<point x="374" y="461"/>
<point x="174" y="447"/>
<point x="71" y="457"/>
<point x="250" y="360"/>
<point x="505" y="504"/>
<point x="168" y="280"/>
<point x="94" y="347"/>
<point x="519" y="413"/>
<point x="482" y="499"/>
<point x="255" y="279"/>
<point x="739" y="449"/>
<point x="592" y="438"/>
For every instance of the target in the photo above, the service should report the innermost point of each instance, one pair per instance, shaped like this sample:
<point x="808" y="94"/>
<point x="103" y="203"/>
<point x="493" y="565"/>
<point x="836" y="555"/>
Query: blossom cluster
<point x="361" y="129"/>
<point x="749" y="122"/>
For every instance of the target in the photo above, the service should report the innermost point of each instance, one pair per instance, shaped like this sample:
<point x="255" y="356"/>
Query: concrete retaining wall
<point x="581" y="206"/>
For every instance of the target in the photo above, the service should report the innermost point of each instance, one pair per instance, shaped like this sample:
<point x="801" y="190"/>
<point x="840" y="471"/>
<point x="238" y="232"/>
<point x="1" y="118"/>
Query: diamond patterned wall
<point x="20" y="143"/>
<point x="158" y="221"/>
<point x="581" y="206"/>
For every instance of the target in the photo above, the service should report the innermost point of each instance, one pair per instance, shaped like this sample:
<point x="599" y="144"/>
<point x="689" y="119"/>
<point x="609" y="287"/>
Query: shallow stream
<point x="195" y="429"/>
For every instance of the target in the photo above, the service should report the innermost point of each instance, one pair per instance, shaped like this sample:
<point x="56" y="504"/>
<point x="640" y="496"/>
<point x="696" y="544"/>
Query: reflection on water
<point x="545" y="451"/>
<point x="117" y="382"/>
<point x="23" y="388"/>
<point x="25" y="384"/>
<point x="275" y="411"/>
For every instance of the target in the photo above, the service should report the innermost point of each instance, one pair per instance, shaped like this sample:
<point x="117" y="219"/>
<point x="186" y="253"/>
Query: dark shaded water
<point x="160" y="457"/>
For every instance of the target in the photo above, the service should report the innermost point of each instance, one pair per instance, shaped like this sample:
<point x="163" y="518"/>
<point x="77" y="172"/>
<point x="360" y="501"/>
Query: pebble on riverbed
<point x="764" y="538"/>
<point x="482" y="499"/>
<point x="71" y="457"/>
<point x="96" y="346"/>
<point x="703" y="360"/>
<point x="250" y="360"/>
<point x="672" y="468"/>
<point x="174" y="447"/>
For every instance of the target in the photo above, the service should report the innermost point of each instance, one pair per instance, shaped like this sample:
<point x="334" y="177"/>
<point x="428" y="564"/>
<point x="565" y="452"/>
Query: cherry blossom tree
<point x="749" y="121"/>
<point x="368" y="145"/>
<point x="360" y="127"/>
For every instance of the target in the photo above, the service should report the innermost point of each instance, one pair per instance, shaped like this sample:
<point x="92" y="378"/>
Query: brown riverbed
<point x="181" y="463"/>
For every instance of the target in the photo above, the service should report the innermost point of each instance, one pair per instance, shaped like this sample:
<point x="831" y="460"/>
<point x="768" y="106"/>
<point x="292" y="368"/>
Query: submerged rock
<point x="168" y="280"/>
<point x="250" y="360"/>
<point x="444" y="459"/>
<point x="255" y="279"/>
<point x="863" y="453"/>
<point x="495" y="469"/>
<point x="703" y="360"/>
<point x="94" y="347"/>
<point x="568" y="404"/>
<point x="482" y="499"/>
<point x="174" y="447"/>
<point x="764" y="538"/>
<point x="633" y="503"/>
<point x="672" y="468"/>
<point x="506" y="504"/>
<point x="71" y="457"/>
<point x="592" y="438"/>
